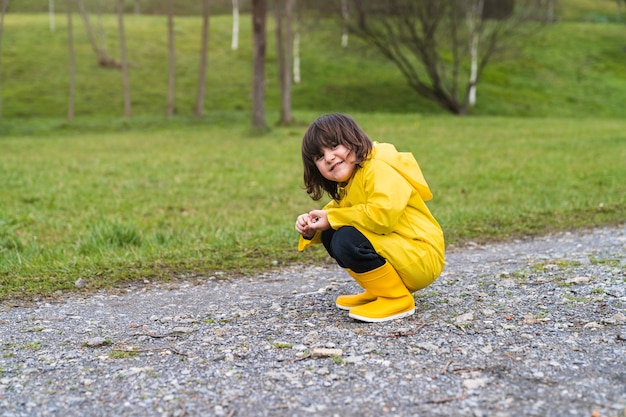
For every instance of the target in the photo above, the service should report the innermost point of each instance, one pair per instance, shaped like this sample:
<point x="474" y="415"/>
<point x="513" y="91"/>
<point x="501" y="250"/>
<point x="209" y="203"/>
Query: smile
<point x="332" y="168"/>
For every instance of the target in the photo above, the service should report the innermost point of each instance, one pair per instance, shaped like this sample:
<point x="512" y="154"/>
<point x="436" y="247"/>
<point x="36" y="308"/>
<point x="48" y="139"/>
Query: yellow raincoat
<point x="385" y="200"/>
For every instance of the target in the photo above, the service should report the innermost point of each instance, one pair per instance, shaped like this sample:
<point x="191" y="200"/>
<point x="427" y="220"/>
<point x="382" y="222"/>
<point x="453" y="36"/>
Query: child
<point x="377" y="225"/>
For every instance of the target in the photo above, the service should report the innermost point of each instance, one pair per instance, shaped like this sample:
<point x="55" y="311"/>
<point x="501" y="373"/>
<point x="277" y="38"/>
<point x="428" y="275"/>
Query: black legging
<point x="351" y="249"/>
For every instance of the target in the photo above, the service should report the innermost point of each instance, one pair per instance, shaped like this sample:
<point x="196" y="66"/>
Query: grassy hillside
<point x="572" y="68"/>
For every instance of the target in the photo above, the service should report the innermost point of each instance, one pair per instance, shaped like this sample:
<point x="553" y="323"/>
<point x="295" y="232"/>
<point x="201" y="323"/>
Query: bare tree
<point x="259" y="11"/>
<point x="235" y="42"/>
<point x="203" y="59"/>
<point x="101" y="52"/>
<point x="72" y="66"/>
<point x="284" y="42"/>
<point x="124" y="59"/>
<point x="172" y="59"/>
<point x="5" y="7"/>
<point x="429" y="43"/>
<point x="102" y="36"/>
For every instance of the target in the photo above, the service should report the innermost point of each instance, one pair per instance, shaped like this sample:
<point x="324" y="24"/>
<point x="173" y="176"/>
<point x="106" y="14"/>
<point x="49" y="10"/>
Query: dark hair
<point x="327" y="131"/>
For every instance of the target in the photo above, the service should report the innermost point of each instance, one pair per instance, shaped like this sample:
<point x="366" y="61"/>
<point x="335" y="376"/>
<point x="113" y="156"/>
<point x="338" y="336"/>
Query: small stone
<point x="474" y="383"/>
<point x="96" y="342"/>
<point x="464" y="318"/>
<point x="325" y="352"/>
<point x="182" y="329"/>
<point x="577" y="280"/>
<point x="619" y="318"/>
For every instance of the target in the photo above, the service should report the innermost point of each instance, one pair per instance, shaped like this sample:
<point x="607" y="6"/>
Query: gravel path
<point x="527" y="328"/>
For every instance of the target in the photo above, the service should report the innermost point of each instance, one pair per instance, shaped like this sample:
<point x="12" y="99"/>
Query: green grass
<point x="115" y="207"/>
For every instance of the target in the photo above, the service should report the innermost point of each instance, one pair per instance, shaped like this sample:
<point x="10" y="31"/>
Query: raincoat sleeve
<point x="384" y="195"/>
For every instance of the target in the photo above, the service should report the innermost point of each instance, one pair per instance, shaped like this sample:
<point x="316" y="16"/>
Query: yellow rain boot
<point x="346" y="302"/>
<point x="393" y="300"/>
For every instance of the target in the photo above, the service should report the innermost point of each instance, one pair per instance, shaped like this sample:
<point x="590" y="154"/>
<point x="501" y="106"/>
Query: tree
<point x="103" y="40"/>
<point x="549" y="6"/>
<point x="474" y="22"/>
<point x="5" y="6"/>
<point x="235" y="42"/>
<point x="345" y="12"/>
<point x="442" y="46"/>
<point x="51" y="15"/>
<point x="284" y="42"/>
<point x="297" y="78"/>
<point x="124" y="60"/>
<point x="72" y="66"/>
<point x="259" y="10"/>
<point x="203" y="59"/>
<point x="172" y="59"/>
<point x="101" y="52"/>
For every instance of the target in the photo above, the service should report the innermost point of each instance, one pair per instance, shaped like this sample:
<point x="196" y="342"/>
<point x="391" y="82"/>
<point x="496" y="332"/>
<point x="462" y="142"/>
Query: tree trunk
<point x="259" y="8"/>
<point x="296" y="45"/>
<point x="103" y="59"/>
<point x="474" y="21"/>
<point x="124" y="60"/>
<point x="5" y="6"/>
<point x="549" y="10"/>
<point x="235" y="42"/>
<point x="103" y="40"/>
<point x="345" y="12"/>
<point x="284" y="12"/>
<point x="297" y="78"/>
<point x="203" y="59"/>
<point x="172" y="59"/>
<point x="284" y="41"/>
<point x="72" y="66"/>
<point x="51" y="15"/>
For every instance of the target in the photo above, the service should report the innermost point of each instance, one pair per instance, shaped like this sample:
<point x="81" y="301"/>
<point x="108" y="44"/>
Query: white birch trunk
<point x="51" y="15"/>
<point x="72" y="63"/>
<point x="235" y="43"/>
<point x="296" y="57"/>
<point x="474" y="18"/>
<point x="346" y="17"/>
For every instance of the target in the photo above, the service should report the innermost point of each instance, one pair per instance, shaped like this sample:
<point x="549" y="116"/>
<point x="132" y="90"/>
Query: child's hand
<point x="318" y="220"/>
<point x="302" y="226"/>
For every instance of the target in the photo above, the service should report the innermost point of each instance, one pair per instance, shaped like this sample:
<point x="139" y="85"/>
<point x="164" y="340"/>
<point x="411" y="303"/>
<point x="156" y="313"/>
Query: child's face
<point x="336" y="163"/>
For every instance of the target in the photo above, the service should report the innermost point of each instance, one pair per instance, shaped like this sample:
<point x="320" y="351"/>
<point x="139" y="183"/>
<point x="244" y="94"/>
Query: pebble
<point x="531" y="327"/>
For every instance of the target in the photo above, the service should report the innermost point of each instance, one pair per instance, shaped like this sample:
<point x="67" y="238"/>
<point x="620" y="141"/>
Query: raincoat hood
<point x="405" y="164"/>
